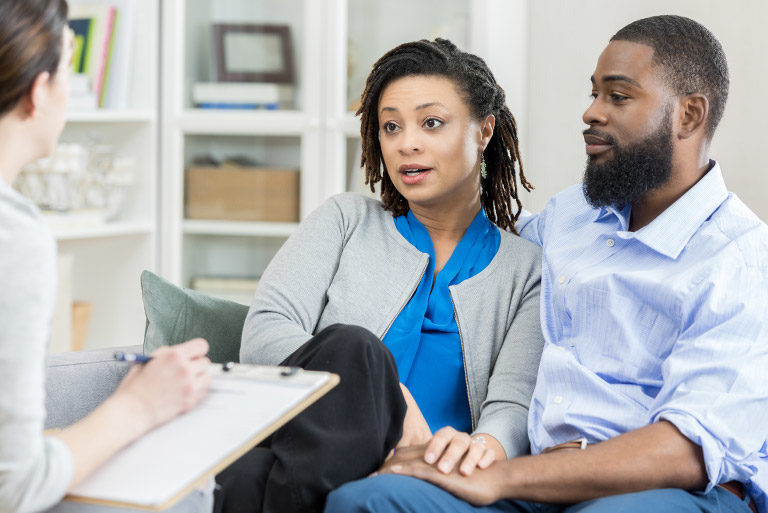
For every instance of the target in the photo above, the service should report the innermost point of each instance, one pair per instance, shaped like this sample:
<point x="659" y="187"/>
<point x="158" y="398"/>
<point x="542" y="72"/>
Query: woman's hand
<point x="415" y="428"/>
<point x="449" y="446"/>
<point x="172" y="382"/>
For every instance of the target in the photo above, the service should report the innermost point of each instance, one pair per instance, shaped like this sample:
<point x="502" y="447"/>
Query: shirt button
<point x="609" y="243"/>
<point x="558" y="399"/>
<point x="570" y="343"/>
<point x="561" y="280"/>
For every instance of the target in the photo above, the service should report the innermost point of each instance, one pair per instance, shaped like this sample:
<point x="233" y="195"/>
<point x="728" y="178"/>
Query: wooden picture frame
<point x="253" y="53"/>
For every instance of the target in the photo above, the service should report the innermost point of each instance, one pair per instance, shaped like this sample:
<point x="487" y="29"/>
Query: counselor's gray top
<point x="35" y="471"/>
<point x="347" y="263"/>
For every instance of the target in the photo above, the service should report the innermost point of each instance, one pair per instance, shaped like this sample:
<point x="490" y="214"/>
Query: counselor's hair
<point x="689" y="54"/>
<point x="482" y="94"/>
<point x="31" y="34"/>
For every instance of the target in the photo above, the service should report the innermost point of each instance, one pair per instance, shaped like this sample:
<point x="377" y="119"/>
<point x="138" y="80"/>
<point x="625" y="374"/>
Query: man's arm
<point x="655" y="456"/>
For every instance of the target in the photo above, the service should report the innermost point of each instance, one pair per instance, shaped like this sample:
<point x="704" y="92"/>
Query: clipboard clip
<point x="284" y="372"/>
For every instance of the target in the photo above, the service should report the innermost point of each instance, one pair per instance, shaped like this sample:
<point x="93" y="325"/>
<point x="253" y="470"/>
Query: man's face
<point x="629" y="139"/>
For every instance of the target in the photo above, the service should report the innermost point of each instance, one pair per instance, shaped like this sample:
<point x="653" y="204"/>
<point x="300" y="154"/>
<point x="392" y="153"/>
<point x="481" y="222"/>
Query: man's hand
<point x="480" y="488"/>
<point x="652" y="457"/>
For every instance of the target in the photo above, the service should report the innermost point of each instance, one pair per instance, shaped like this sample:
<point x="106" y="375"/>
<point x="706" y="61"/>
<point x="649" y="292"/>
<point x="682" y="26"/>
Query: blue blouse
<point x="424" y="339"/>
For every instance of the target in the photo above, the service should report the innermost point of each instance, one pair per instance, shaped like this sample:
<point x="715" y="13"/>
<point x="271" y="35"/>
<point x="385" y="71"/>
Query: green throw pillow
<point x="175" y="314"/>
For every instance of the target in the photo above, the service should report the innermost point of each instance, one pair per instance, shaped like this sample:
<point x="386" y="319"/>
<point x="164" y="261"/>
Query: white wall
<point x="565" y="39"/>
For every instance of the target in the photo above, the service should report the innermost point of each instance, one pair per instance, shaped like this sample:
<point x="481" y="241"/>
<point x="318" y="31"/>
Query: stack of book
<point x="101" y="61"/>
<point x="242" y="95"/>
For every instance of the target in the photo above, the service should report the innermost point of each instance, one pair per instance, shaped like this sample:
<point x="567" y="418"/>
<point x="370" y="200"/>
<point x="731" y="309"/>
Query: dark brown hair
<point x="481" y="93"/>
<point x="30" y="44"/>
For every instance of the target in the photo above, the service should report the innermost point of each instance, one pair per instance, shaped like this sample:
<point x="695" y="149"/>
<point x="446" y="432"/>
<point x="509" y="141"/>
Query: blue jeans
<point x="401" y="494"/>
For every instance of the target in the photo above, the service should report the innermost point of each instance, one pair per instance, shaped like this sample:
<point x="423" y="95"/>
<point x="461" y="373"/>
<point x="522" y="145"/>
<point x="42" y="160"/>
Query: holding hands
<point x="449" y="447"/>
<point x="448" y="451"/>
<point x="481" y="487"/>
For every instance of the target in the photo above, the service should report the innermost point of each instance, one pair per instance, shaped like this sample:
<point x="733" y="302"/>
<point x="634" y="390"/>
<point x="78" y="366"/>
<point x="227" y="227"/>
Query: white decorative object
<point x="79" y="182"/>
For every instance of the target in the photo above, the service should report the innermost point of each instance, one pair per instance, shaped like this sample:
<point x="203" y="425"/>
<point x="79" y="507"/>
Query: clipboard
<point x="245" y="404"/>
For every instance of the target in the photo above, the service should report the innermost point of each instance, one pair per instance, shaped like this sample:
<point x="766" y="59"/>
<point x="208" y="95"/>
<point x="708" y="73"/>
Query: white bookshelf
<point x="280" y="138"/>
<point x="108" y="257"/>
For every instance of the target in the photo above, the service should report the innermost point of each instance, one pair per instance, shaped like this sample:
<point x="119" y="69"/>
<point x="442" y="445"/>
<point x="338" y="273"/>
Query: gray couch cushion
<point x="77" y="382"/>
<point x="175" y="314"/>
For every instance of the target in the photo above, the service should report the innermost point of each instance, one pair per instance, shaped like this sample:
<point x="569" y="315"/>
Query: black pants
<point x="344" y="436"/>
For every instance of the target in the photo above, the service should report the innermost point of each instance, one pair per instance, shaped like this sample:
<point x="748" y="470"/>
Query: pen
<point x="132" y="357"/>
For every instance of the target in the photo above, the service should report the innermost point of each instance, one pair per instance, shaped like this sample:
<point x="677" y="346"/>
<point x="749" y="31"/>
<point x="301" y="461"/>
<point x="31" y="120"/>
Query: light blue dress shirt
<point x="668" y="322"/>
<point x="424" y="338"/>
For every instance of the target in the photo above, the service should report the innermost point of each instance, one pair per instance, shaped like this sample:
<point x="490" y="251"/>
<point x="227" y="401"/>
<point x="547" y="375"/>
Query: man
<point x="652" y="393"/>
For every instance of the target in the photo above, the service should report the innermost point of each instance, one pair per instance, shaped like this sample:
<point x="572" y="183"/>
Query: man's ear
<point x="486" y="130"/>
<point x="695" y="112"/>
<point x="37" y="96"/>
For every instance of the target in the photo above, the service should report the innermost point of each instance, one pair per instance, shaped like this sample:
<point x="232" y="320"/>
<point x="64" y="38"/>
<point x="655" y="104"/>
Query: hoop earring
<point x="483" y="171"/>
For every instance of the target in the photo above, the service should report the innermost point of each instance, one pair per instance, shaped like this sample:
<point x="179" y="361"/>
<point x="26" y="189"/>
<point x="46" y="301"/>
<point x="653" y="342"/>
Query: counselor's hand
<point x="482" y="487"/>
<point x="174" y="381"/>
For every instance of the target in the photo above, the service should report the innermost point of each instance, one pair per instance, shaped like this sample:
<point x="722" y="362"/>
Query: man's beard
<point x="634" y="169"/>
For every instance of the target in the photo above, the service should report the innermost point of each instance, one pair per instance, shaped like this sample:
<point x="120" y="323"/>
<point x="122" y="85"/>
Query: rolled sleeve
<point x="715" y="384"/>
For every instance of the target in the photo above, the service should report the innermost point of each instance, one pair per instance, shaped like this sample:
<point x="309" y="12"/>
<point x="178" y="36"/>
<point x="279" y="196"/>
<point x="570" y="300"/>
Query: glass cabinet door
<point x="244" y="54"/>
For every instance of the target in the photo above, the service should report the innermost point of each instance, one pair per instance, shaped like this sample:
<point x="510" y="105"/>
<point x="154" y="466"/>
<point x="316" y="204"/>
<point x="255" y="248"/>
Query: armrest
<point x="77" y="382"/>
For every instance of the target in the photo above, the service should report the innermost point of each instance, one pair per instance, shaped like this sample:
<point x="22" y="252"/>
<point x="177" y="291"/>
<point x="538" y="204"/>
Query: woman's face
<point x="54" y="110"/>
<point x="430" y="142"/>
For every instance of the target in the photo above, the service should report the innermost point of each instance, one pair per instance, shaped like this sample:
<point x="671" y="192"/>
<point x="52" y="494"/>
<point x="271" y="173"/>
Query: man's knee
<point x="667" y="500"/>
<point x="385" y="493"/>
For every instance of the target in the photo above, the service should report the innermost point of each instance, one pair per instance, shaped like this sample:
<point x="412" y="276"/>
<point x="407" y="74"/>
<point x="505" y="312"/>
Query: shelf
<point x="64" y="231"/>
<point x="244" y="228"/>
<point x="111" y="116"/>
<point x="242" y="122"/>
<point x="350" y="125"/>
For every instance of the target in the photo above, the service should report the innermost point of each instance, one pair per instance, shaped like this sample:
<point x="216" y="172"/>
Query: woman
<point x="430" y="270"/>
<point x="35" y="470"/>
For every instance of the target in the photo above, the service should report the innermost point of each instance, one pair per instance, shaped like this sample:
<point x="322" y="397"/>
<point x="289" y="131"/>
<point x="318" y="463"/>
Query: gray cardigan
<point x="347" y="263"/>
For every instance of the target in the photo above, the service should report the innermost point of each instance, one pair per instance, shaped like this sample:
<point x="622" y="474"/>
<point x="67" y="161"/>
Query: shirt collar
<point x="669" y="233"/>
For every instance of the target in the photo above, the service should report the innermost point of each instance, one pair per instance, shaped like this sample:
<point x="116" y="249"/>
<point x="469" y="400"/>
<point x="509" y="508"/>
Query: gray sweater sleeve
<point x="504" y="413"/>
<point x="35" y="471"/>
<point x="293" y="289"/>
